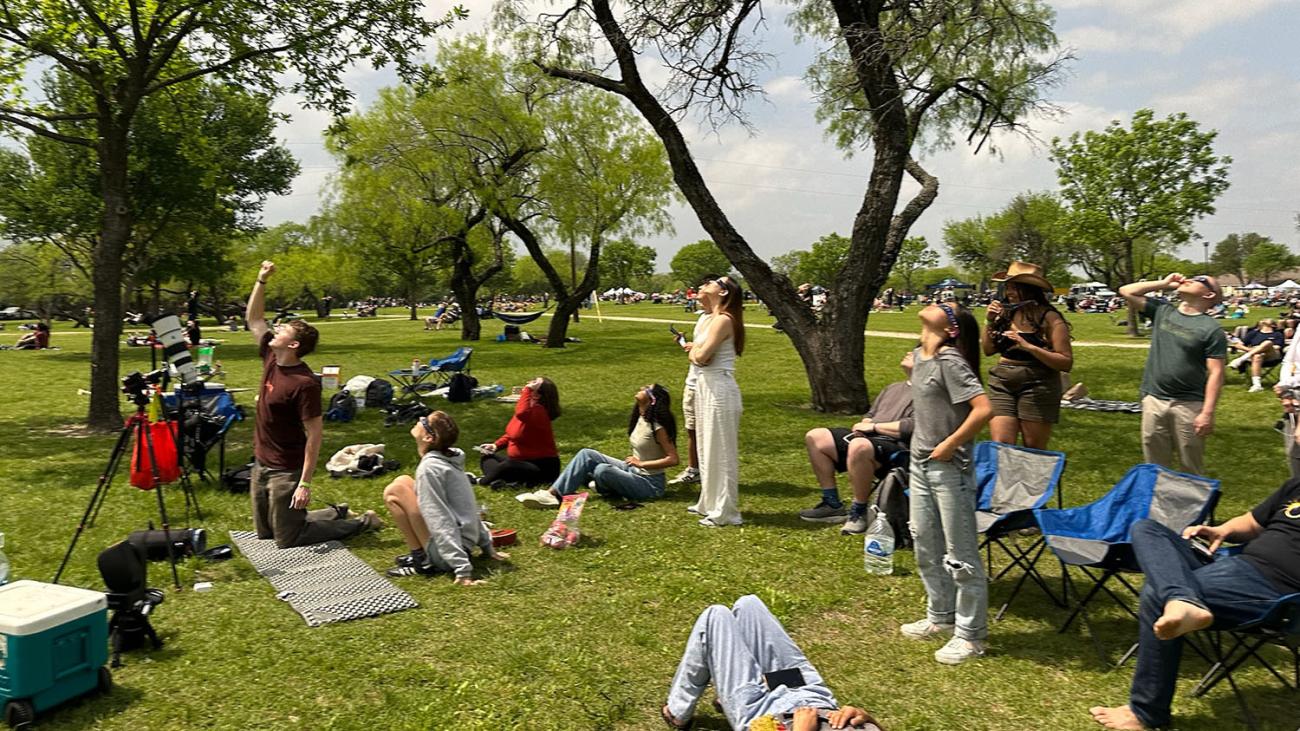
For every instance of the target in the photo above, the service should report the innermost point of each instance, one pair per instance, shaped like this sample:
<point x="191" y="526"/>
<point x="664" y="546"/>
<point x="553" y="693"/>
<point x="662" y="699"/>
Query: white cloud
<point x="1163" y="26"/>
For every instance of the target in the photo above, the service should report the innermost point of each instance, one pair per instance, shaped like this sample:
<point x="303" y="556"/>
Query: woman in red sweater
<point x="530" y="457"/>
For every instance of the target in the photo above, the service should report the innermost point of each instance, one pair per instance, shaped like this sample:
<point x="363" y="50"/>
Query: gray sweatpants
<point x="733" y="648"/>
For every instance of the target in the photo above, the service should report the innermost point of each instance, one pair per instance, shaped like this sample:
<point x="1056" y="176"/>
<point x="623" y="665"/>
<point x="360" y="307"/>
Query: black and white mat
<point x="1088" y="404"/>
<point x="325" y="582"/>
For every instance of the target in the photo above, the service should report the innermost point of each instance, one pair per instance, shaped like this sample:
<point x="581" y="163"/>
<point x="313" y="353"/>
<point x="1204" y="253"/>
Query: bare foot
<point x="1117" y="718"/>
<point x="1180" y="618"/>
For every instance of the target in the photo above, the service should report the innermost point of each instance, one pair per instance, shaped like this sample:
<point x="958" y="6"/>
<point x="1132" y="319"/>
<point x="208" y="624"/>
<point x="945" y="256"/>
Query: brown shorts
<point x="1029" y="391"/>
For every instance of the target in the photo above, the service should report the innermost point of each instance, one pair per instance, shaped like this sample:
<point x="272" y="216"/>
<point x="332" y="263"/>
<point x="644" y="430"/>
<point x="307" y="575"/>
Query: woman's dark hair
<point x="660" y="413"/>
<point x="967" y="341"/>
<point x="42" y="327"/>
<point x="734" y="305"/>
<point x="548" y="396"/>
<point x="1035" y="306"/>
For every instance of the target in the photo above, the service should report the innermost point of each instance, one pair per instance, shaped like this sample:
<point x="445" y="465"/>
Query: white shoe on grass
<point x="924" y="629"/>
<point x="958" y="651"/>
<point x="538" y="500"/>
<point x="689" y="476"/>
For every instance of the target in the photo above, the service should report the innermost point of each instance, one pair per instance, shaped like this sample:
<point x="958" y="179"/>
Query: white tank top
<point x="724" y="356"/>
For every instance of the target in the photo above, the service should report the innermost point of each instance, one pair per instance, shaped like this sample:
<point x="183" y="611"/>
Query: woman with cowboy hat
<point x="1033" y="340"/>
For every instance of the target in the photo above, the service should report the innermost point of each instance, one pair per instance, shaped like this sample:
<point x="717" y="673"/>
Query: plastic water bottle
<point x="415" y="365"/>
<point x="4" y="562"/>
<point x="878" y="547"/>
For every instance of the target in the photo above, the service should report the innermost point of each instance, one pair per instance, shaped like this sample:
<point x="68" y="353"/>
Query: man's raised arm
<point x="255" y="313"/>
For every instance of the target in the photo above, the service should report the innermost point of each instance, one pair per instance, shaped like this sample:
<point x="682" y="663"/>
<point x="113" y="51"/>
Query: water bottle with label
<point x="878" y="547"/>
<point x="4" y="562"/>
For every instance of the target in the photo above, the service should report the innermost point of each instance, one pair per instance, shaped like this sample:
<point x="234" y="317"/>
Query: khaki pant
<point x="1166" y="426"/>
<point x="272" y="492"/>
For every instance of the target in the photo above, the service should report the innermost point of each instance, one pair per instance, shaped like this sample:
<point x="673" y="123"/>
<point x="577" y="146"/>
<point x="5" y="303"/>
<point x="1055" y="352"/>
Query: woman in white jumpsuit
<point x="717" y="403"/>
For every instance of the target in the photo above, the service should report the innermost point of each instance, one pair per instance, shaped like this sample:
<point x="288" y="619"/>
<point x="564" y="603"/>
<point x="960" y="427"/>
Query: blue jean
<point x="947" y="546"/>
<point x="732" y="648"/>
<point x="614" y="477"/>
<point x="1230" y="588"/>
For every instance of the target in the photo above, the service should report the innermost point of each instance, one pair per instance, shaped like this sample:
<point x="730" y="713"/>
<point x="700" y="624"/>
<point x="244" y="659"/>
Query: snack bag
<point x="564" y="529"/>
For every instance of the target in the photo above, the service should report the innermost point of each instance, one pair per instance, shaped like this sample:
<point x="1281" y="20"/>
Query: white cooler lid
<point x="28" y="607"/>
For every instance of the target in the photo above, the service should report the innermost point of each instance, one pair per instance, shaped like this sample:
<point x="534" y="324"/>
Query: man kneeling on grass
<point x="866" y="452"/>
<point x="1185" y="593"/>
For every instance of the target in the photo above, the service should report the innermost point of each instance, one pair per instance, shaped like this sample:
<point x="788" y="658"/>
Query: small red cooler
<point x="53" y="646"/>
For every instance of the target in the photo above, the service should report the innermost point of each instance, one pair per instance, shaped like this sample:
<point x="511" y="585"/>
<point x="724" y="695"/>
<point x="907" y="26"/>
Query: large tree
<point x="696" y="261"/>
<point x="890" y="74"/>
<point x="1030" y="228"/>
<point x="1230" y="254"/>
<point x="122" y="53"/>
<point x="625" y="261"/>
<point x="1135" y="192"/>
<point x="1267" y="259"/>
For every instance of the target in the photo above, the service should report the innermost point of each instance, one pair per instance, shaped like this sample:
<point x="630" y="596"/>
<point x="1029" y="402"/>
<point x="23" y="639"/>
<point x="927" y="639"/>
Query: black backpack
<point x="238" y="479"/>
<point x="891" y="497"/>
<point x="461" y="387"/>
<point x="379" y="394"/>
<point x="343" y="407"/>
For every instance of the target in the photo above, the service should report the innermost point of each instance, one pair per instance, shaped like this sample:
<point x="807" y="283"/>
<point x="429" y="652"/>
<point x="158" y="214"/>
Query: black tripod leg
<point x="162" y="505"/>
<point x="96" y="498"/>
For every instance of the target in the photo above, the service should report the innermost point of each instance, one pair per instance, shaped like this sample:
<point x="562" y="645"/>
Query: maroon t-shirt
<point x="290" y="395"/>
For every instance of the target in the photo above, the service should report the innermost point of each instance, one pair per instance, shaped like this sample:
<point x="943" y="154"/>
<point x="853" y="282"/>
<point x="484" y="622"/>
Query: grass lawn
<point x="587" y="638"/>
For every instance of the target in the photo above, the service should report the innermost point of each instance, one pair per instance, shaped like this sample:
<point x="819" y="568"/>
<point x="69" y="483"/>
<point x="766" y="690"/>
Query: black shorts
<point x="887" y="450"/>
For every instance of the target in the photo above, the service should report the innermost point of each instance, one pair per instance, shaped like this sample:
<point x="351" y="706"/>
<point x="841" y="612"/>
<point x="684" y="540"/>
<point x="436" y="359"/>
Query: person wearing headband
<point x="1184" y="370"/>
<point x="652" y="432"/>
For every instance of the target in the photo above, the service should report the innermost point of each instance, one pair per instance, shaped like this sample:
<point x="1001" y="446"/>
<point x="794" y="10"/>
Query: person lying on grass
<point x="652" y="432"/>
<point x="436" y="512"/>
<point x="760" y="676"/>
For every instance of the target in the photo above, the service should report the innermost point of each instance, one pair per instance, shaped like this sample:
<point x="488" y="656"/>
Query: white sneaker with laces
<point x="540" y="500"/>
<point x="924" y="629"/>
<point x="1255" y="388"/>
<point x="689" y="476"/>
<point x="958" y="651"/>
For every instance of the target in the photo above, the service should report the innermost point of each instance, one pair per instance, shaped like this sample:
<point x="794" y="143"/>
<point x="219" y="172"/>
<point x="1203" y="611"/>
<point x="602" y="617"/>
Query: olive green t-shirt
<point x="1180" y="345"/>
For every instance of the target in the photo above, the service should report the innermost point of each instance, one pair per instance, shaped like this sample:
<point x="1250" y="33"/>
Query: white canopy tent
<point x="1288" y="284"/>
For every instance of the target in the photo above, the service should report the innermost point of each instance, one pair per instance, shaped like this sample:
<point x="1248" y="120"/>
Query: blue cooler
<point x="53" y="646"/>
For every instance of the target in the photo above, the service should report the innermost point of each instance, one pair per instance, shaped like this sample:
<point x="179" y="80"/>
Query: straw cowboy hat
<point x="1022" y="272"/>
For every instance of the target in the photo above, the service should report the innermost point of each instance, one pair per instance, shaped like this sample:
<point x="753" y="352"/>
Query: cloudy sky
<point x="1228" y="65"/>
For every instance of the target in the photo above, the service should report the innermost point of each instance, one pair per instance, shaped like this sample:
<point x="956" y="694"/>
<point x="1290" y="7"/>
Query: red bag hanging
<point x="163" y="436"/>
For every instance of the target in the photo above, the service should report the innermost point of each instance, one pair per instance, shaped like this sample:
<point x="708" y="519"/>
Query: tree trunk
<point x="105" y="406"/>
<point x="559" y="329"/>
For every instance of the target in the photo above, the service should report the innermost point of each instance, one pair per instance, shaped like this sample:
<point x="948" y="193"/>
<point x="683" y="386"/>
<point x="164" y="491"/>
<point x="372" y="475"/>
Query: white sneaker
<point x="689" y="476"/>
<point x="924" y="629"/>
<point x="1237" y="363"/>
<point x="1255" y="388"/>
<point x="539" y="500"/>
<point x="958" y="651"/>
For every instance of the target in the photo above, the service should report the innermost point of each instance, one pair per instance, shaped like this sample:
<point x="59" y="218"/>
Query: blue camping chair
<point x="1013" y="482"/>
<point x="1094" y="539"/>
<point x="432" y="375"/>
<point x="1230" y="647"/>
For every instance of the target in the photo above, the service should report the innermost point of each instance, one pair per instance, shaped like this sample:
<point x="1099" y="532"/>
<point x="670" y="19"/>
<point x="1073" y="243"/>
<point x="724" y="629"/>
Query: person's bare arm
<point x="670" y="458"/>
<point x="1240" y="529"/>
<point x="1204" y="421"/>
<point x="720" y="328"/>
<point x="255" y="313"/>
<point x="980" y="412"/>
<point x="315" y="429"/>
<point x="1136" y="293"/>
<point x="892" y="429"/>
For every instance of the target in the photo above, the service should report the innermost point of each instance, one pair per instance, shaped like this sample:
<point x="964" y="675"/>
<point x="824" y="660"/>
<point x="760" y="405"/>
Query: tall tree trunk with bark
<point x="105" y="412"/>
<point x="465" y="284"/>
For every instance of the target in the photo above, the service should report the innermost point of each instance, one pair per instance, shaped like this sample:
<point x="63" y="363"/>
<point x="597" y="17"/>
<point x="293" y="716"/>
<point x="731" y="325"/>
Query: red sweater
<point x="529" y="434"/>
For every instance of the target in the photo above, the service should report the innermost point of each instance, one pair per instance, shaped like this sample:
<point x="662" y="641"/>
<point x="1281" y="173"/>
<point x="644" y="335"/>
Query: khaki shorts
<point x="1029" y="392"/>
<point x="688" y="408"/>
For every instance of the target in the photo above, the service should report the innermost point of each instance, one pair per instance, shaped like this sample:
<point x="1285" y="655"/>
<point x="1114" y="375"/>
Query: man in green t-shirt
<point x="1184" y="369"/>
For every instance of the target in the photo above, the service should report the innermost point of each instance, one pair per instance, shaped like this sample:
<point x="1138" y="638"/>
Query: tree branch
<point x="46" y="132"/>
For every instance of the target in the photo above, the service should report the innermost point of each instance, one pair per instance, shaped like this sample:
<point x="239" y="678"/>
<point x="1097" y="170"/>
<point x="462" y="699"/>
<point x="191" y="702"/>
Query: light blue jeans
<point x="732" y="648"/>
<point x="947" y="546"/>
<point x="614" y="477"/>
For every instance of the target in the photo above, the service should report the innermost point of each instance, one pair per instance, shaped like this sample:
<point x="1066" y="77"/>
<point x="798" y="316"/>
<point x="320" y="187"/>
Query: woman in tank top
<point x="718" y="405"/>
<point x="652" y="433"/>
<point x="1033" y="342"/>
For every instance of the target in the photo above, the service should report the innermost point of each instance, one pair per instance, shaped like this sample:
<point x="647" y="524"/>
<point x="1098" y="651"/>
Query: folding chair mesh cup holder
<point x="1012" y="482"/>
<point x="432" y="375"/>
<point x="1095" y="539"/>
<point x="1231" y="647"/>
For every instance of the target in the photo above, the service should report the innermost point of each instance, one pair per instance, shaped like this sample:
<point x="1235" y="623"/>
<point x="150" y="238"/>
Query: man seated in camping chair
<point x="1185" y="592"/>
<point x="1261" y="346"/>
<point x="867" y="452"/>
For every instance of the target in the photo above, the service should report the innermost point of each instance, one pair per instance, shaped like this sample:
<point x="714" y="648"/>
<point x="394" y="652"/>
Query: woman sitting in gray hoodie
<point x="436" y="511"/>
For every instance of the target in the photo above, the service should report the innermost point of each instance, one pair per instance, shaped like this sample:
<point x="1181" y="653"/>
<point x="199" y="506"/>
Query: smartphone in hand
<point x="1201" y="548"/>
<point x="677" y="335"/>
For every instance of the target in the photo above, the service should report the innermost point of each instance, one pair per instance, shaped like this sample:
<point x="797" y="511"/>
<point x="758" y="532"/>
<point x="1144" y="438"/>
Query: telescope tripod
<point x="138" y="426"/>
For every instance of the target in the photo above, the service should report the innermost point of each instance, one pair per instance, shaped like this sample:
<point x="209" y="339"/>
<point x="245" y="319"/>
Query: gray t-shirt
<point x="942" y="388"/>
<point x="1180" y="345"/>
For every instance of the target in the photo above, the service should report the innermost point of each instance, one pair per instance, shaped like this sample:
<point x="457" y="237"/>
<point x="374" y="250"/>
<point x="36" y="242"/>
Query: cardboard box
<point x="329" y="377"/>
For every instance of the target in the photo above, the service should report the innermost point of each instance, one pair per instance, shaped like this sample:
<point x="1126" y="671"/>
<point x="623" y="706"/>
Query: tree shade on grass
<point x="586" y="638"/>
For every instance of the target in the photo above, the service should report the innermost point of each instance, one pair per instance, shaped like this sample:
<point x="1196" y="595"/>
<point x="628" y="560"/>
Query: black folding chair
<point x="1231" y="647"/>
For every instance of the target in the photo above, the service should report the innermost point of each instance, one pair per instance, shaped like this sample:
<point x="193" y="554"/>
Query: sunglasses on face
<point x="424" y="422"/>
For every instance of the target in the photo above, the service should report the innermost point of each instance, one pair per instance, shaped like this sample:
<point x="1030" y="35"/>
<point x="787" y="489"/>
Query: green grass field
<point x="588" y="638"/>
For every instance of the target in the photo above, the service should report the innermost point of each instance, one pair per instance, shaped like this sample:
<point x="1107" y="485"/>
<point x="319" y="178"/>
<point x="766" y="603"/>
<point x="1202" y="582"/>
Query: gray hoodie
<point x="450" y="511"/>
